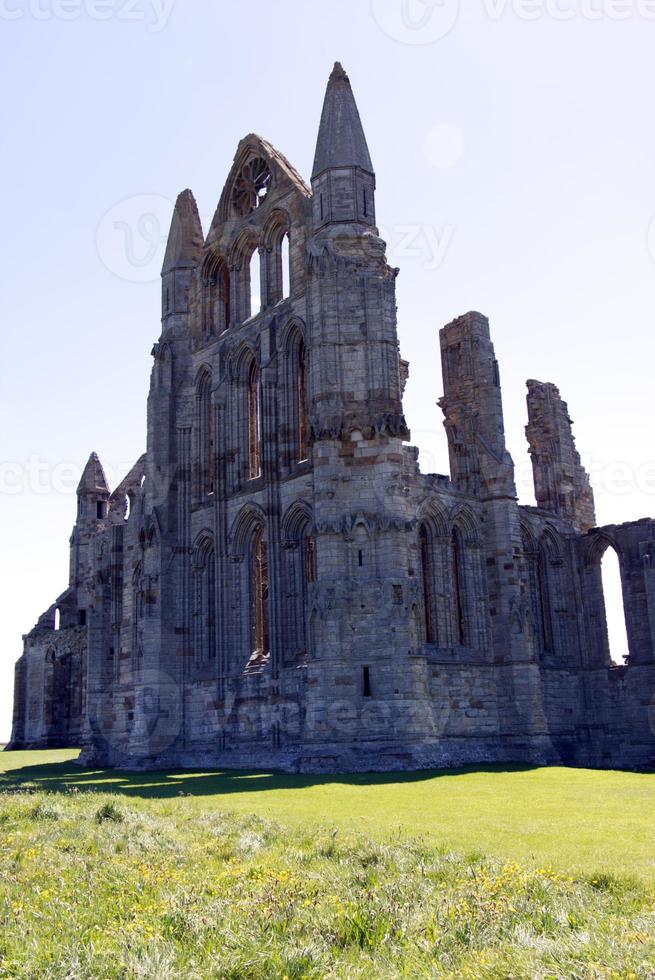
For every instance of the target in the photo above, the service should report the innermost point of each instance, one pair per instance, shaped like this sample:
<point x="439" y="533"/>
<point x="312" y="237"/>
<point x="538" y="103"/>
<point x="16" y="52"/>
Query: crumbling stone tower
<point x="275" y="583"/>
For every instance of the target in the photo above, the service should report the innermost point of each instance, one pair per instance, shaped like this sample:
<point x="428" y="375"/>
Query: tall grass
<point x="97" y="886"/>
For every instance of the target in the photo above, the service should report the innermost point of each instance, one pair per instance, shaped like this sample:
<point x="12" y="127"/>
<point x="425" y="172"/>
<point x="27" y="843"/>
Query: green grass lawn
<point x="572" y="819"/>
<point x="492" y="874"/>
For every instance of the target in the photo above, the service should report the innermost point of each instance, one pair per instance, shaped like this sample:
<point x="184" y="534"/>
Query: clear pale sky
<point x="515" y="155"/>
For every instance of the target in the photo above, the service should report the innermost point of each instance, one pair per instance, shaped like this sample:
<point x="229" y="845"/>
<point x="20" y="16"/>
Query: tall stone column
<point x="482" y="467"/>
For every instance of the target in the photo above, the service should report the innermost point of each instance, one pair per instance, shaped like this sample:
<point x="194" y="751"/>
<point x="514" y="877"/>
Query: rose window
<point x="251" y="186"/>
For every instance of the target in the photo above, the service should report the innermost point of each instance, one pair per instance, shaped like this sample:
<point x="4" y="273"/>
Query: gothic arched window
<point x="299" y="574"/>
<point x="217" y="310"/>
<point x="205" y="602"/>
<point x="296" y="398"/>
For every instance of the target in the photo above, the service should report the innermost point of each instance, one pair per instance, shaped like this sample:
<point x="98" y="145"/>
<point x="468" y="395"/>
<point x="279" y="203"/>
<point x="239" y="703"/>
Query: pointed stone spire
<point x="343" y="181"/>
<point x="94" y="481"/>
<point x="185" y="239"/>
<point x="341" y="139"/>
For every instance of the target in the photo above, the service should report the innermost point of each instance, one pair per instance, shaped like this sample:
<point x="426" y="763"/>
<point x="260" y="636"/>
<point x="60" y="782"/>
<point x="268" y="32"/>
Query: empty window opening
<point x="255" y="284"/>
<point x="259" y="593"/>
<point x="360" y="558"/>
<point x="614" y="608"/>
<point x="302" y="402"/>
<point x="366" y="682"/>
<point x="222" y="311"/>
<point x="128" y="505"/>
<point x="101" y="510"/>
<point x="254" y="423"/>
<point x="82" y="617"/>
<point x="57" y="623"/>
<point x="365" y="205"/>
<point x="286" y="267"/>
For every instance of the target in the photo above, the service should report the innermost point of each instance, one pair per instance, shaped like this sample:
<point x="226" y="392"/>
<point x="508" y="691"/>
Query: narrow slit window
<point x="254" y="423"/>
<point x="255" y="285"/>
<point x="302" y="402"/>
<point x="259" y="586"/>
<point x="544" y="603"/>
<point x="366" y="682"/>
<point x="427" y="582"/>
<point x="310" y="560"/>
<point x="286" y="267"/>
<point x="456" y="551"/>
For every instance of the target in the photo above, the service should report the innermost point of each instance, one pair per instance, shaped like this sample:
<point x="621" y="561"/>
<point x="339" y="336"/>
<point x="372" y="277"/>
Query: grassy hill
<point x="524" y="873"/>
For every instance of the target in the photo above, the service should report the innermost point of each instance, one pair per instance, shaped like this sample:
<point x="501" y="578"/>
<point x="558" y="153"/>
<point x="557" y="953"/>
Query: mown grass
<point x="95" y="885"/>
<point x="574" y="820"/>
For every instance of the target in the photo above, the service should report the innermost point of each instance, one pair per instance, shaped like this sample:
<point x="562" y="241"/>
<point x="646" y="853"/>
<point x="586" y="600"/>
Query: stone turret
<point x="185" y="241"/>
<point x="356" y="370"/>
<point x="93" y="490"/>
<point x="560" y="481"/>
<point x="92" y="512"/>
<point x="343" y="180"/>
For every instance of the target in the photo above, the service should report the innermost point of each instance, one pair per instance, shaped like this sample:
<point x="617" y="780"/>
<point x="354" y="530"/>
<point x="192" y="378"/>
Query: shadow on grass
<point x="63" y="776"/>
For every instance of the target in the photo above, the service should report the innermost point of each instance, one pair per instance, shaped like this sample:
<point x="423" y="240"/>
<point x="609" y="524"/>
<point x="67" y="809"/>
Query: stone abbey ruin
<point x="275" y="583"/>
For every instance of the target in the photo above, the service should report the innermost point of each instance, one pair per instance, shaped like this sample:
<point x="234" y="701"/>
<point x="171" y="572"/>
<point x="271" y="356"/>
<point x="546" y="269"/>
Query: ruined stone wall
<point x="50" y="702"/>
<point x="561" y="484"/>
<point x="275" y="583"/>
